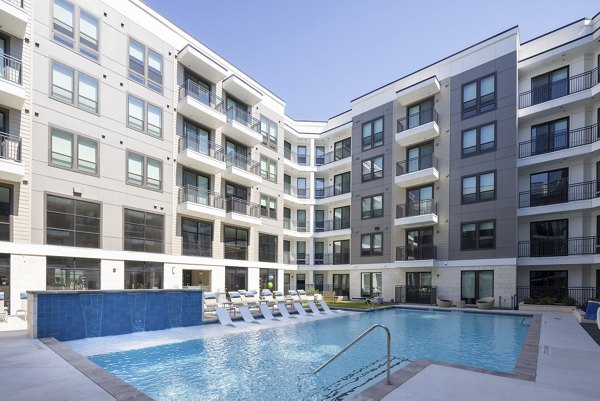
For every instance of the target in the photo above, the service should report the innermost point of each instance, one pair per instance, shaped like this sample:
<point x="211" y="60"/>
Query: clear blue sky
<point x="317" y="55"/>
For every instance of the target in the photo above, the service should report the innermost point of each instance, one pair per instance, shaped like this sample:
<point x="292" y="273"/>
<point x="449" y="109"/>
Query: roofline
<point x="561" y="45"/>
<point x="554" y="30"/>
<point x="436" y="62"/>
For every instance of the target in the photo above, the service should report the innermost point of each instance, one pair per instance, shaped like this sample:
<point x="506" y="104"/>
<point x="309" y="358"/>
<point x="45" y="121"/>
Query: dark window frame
<point x="144" y="183"/>
<point x="371" y="213"/>
<point x="199" y="249"/>
<point x="136" y="267"/>
<point x="74" y="217"/>
<point x="10" y="211"/>
<point x="371" y="176"/>
<point x="54" y="262"/>
<point x="147" y="81"/>
<point x="478" y="187"/>
<point x="478" y="150"/>
<point x="477" y="246"/>
<point x="371" y="250"/>
<point x="372" y="143"/>
<point x="477" y="109"/>
<point x="145" y="239"/>
<point x="476" y="292"/>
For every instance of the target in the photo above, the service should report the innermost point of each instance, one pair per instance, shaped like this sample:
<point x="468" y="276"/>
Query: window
<point x="549" y="238"/>
<point x="419" y="114"/>
<point x="268" y="129"/>
<point x="372" y="169"/>
<point x="301" y="225"/>
<point x="236" y="278"/>
<point x="547" y="188"/>
<point x="341" y="184"/>
<point x="479" y="188"/>
<point x="66" y="82"/>
<point x="319" y="220"/>
<point x="371" y="244"/>
<point x="236" y="243"/>
<point x="479" y="140"/>
<point x="372" y="206"/>
<point x="268" y="169"/>
<point x="144" y="116"/>
<point x="419" y="157"/>
<point x="341" y="252"/>
<point x="268" y="279"/>
<point x="267" y="248"/>
<point x="319" y="155"/>
<point x="5" y="211"/>
<point x="72" y="273"/>
<point x="479" y="96"/>
<point x="370" y="285"/>
<point x="268" y="206"/>
<point x="478" y="235"/>
<point x="550" y="85"/>
<point x="372" y="134"/>
<point x="550" y="136"/>
<point x="198" y="140"/>
<point x="196" y="237"/>
<point x="342" y="149"/>
<point x="144" y="171"/>
<point x="302" y="155"/>
<point x="75" y="29"/>
<point x="145" y="66"/>
<point x="476" y="284"/>
<point x="341" y="284"/>
<point x="143" y="275"/>
<point x="419" y="201"/>
<point x="73" y="152"/>
<point x="5" y="281"/>
<point x="143" y="231"/>
<point x="72" y="222"/>
<point x="341" y="218"/>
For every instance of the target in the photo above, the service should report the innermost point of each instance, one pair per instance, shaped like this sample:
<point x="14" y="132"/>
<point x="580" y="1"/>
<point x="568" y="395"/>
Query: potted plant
<point x="313" y="291"/>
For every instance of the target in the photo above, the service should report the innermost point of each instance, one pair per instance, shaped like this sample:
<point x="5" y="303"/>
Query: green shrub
<point x="312" y="291"/>
<point x="528" y="300"/>
<point x="547" y="301"/>
<point x="567" y="300"/>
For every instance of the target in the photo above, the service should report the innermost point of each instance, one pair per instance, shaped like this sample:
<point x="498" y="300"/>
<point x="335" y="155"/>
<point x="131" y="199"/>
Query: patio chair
<point x="23" y="310"/>
<point x="250" y="300"/>
<point x="246" y="315"/>
<point x="3" y="312"/>
<point x="236" y="299"/>
<point x="210" y="302"/>
<point x="315" y="310"/>
<point x="281" y="299"/>
<point x="326" y="308"/>
<point x="304" y="297"/>
<point x="329" y="296"/>
<point x="224" y="317"/>
<point x="293" y="294"/>
<point x="266" y="312"/>
<point x="300" y="309"/>
<point x="485" y="303"/>
<point x="443" y="303"/>
<point x="267" y="295"/>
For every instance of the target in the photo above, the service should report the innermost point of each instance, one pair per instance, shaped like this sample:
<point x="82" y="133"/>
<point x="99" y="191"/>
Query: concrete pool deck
<point x="568" y="367"/>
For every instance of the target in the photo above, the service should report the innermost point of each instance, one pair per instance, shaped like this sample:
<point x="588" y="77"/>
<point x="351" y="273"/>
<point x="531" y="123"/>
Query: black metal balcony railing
<point x="415" y="294"/>
<point x="10" y="147"/>
<point x="554" y="90"/>
<point x="331" y="225"/>
<point x="197" y="249"/>
<point x="240" y="206"/>
<point x="416" y="119"/>
<point x="301" y="159"/>
<point x="416" y="252"/>
<point x="234" y="113"/>
<point x="331" y="258"/>
<point x="416" y="164"/>
<point x="332" y="190"/>
<point x="300" y="193"/>
<point x="294" y="225"/>
<point x="190" y="193"/>
<point x="558" y="247"/>
<point x="237" y="252"/>
<point x="559" y="140"/>
<point x="416" y="208"/>
<point x="330" y="157"/>
<point x="16" y="3"/>
<point x="560" y="193"/>
<point x="201" y="94"/>
<point x="296" y="259"/>
<point x="10" y="68"/>
<point x="199" y="145"/>
<point x="240" y="161"/>
<point x="559" y="294"/>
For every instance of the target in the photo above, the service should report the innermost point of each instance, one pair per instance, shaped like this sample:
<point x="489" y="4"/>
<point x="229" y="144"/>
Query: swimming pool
<point x="273" y="364"/>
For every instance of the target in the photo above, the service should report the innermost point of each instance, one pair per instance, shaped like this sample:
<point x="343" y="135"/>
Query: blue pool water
<point x="276" y="364"/>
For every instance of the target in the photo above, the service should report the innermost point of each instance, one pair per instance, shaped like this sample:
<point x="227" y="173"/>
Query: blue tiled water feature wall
<point x="71" y="315"/>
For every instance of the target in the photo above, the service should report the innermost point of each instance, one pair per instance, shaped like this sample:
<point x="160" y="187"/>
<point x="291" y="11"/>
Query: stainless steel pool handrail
<point x="357" y="339"/>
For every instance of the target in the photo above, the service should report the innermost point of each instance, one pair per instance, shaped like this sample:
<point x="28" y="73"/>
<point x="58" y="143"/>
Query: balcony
<point x="240" y="167"/>
<point x="297" y="227"/>
<point x="558" y="247"/>
<point x="558" y="89"/>
<point x="202" y="64"/>
<point x="416" y="252"/>
<point x="201" y="155"/>
<point x="339" y="192"/>
<point x="297" y="259"/>
<point x="415" y="214"/>
<point x="561" y="193"/>
<point x="331" y="228"/>
<point x="242" y="126"/>
<point x="331" y="258"/>
<point x="242" y="90"/>
<point x="198" y="202"/>
<point x="11" y="167"/>
<point x="242" y="211"/>
<point x="299" y="159"/>
<point x="417" y="171"/>
<point x="417" y="127"/>
<point x="418" y="91"/>
<point x="236" y="252"/>
<point x="300" y="193"/>
<point x="339" y="157"/>
<point x="12" y="93"/>
<point x="559" y="141"/>
<point x="14" y="18"/>
<point x="201" y="105"/>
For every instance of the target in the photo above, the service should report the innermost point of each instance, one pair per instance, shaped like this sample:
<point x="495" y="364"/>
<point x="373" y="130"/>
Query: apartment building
<point x="133" y="156"/>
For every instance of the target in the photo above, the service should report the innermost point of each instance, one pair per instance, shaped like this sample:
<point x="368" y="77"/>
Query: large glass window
<point x="143" y="275"/>
<point x="236" y="243"/>
<point x="372" y="168"/>
<point x="267" y="248"/>
<point x="341" y="184"/>
<point x="419" y="114"/>
<point x="550" y="85"/>
<point x="479" y="96"/>
<point x="479" y="140"/>
<point x="550" y="136"/>
<point x="341" y="218"/>
<point x="75" y="28"/>
<point x="73" y="152"/>
<point x="268" y="279"/>
<point x="341" y="284"/>
<point x="268" y="206"/>
<point x="370" y="285"/>
<point x="549" y="187"/>
<point x="479" y="188"/>
<point x="341" y="252"/>
<point x="419" y="157"/>
<point x="5" y="212"/>
<point x="372" y="134"/>
<point x="72" y="273"/>
<point x="419" y="201"/>
<point x="67" y="81"/>
<point x="372" y="206"/>
<point x="476" y="284"/>
<point x="196" y="237"/>
<point x="72" y="222"/>
<point x="144" y="116"/>
<point x="143" y="231"/>
<point x="478" y="235"/>
<point x="268" y="130"/>
<point x="5" y="282"/>
<point x="342" y="149"/>
<point x="236" y="278"/>
<point x="549" y="238"/>
<point x="371" y="244"/>
<point x="197" y="138"/>
<point x="268" y="168"/>
<point x="144" y="171"/>
<point x="145" y="66"/>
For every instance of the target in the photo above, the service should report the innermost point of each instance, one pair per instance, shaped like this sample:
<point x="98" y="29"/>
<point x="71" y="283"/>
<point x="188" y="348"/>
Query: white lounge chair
<point x="23" y="310"/>
<point x="250" y="300"/>
<point x="236" y="299"/>
<point x="304" y="297"/>
<point x="246" y="315"/>
<point x="3" y="312"/>
<point x="266" y="312"/>
<point x="293" y="294"/>
<point x="224" y="317"/>
<point x="282" y="299"/>
<point x="210" y="302"/>
<point x="300" y="309"/>
<point x="326" y="307"/>
<point x="314" y="308"/>
<point x="284" y="312"/>
<point x="267" y="295"/>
